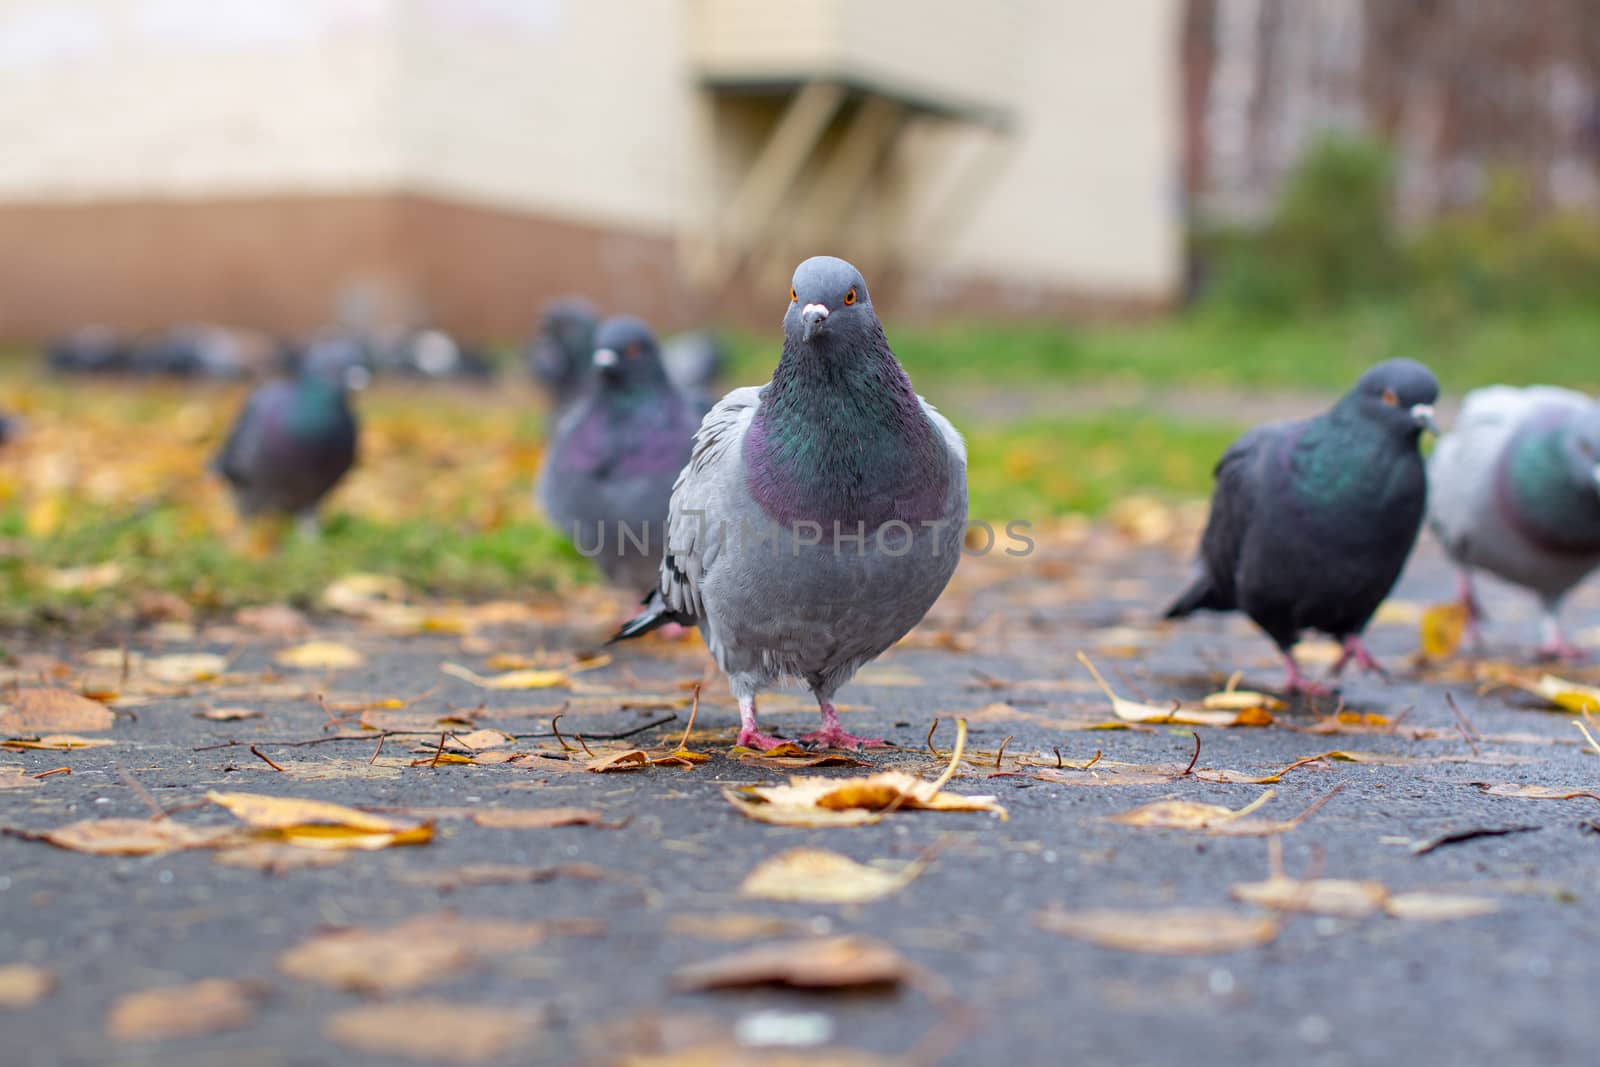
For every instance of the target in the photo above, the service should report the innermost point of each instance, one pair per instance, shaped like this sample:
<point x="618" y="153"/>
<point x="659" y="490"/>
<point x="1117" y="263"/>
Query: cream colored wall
<point x="1090" y="197"/>
<point x="582" y="109"/>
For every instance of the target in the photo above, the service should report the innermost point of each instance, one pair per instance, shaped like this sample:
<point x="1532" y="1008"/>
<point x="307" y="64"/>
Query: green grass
<point x="1324" y="353"/>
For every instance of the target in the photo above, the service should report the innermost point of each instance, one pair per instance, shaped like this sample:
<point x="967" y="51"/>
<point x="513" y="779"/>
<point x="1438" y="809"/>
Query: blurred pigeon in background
<point x="1312" y="521"/>
<point x="838" y="445"/>
<point x="90" y="349"/>
<point x="1515" y="490"/>
<point x="616" y="450"/>
<point x="295" y="437"/>
<point x="694" y="360"/>
<point x="558" y="356"/>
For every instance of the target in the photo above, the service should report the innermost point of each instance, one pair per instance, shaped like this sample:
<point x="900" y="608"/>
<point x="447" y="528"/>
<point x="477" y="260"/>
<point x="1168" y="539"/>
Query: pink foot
<point x="1561" y="650"/>
<point x="1295" y="682"/>
<point x="832" y="735"/>
<point x="1355" y="651"/>
<point x="750" y="737"/>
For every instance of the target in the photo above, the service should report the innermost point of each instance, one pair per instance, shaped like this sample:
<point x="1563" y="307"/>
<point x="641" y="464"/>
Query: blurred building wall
<point x="276" y="164"/>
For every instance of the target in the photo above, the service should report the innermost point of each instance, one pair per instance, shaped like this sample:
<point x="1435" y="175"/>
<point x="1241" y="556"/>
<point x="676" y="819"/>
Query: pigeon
<point x="1312" y="521"/>
<point x="559" y="354"/>
<point x="694" y="360"/>
<point x="1515" y="491"/>
<point x="821" y="515"/>
<point x="611" y="462"/>
<point x="295" y="438"/>
<point x="93" y="349"/>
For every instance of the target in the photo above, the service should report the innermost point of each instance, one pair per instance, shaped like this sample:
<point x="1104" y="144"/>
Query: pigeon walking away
<point x="1515" y="491"/>
<point x="822" y="514"/>
<point x="1312" y="521"/>
<point x="611" y="463"/>
<point x="295" y="438"/>
<point x="558" y="355"/>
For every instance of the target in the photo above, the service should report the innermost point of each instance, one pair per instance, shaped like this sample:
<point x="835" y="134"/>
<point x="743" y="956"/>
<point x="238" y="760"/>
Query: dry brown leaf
<point x="129" y="837"/>
<point x="57" y="742"/>
<point x="1534" y="792"/>
<point x="1133" y="711"/>
<point x="814" y="874"/>
<point x="1215" y="819"/>
<point x="1440" y="630"/>
<point x="319" y="824"/>
<point x="206" y="1007"/>
<point x="24" y="984"/>
<point x="36" y="711"/>
<point x="433" y="1030"/>
<point x="320" y="655"/>
<point x="1172" y="932"/>
<point x="478" y="740"/>
<point x="1438" y="907"/>
<point x="540" y="818"/>
<point x="183" y="668"/>
<point x="1319" y="896"/>
<point x="858" y="801"/>
<point x="810" y="963"/>
<point x="227" y="714"/>
<point x="523" y="679"/>
<point x="421" y="950"/>
<point x="17" y="778"/>
<point x="273" y="620"/>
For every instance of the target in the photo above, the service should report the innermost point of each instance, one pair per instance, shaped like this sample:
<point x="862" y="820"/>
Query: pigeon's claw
<point x="836" y="737"/>
<point x="750" y="737"/>
<point x="1355" y="651"/>
<point x="1295" y="682"/>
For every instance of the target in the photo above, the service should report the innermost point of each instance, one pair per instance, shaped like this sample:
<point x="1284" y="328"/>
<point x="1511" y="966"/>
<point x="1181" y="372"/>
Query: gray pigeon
<point x="609" y="468"/>
<point x="294" y="439"/>
<point x="822" y="514"/>
<point x="1516" y="491"/>
<point x="558" y="355"/>
<point x="1312" y="521"/>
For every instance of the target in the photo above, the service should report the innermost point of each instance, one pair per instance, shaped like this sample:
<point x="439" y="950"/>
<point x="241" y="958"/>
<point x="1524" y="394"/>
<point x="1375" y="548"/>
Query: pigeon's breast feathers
<point x="1547" y="482"/>
<point x="840" y="435"/>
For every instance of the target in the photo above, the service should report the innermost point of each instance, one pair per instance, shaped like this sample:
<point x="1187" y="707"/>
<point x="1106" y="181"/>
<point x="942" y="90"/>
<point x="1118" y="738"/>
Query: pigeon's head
<point x="337" y="360"/>
<point x="570" y="322"/>
<point x="828" y="301"/>
<point x="1582" y="447"/>
<point x="1399" y="394"/>
<point x="626" y="356"/>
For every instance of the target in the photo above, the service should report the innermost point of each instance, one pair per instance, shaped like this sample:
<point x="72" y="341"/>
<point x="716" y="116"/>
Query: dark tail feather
<point x="655" y="615"/>
<point x="1200" y="594"/>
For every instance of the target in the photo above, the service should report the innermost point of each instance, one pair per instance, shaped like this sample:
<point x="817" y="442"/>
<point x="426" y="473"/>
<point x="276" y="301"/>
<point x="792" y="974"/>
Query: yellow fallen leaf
<point x="1534" y="792"/>
<point x="36" y="710"/>
<point x="1440" y="630"/>
<point x="320" y="655"/>
<point x="1319" y="896"/>
<point x="353" y="594"/>
<point x="433" y="1031"/>
<point x="319" y="824"/>
<point x="181" y="668"/>
<point x="1215" y="819"/>
<point x="129" y="837"/>
<point x="814" y="874"/>
<point x="14" y="777"/>
<point x="1242" y="700"/>
<point x="1438" y="907"/>
<point x="227" y="714"/>
<point x="205" y="1007"/>
<point x="539" y="818"/>
<point x="524" y="679"/>
<point x="1133" y="711"/>
<point x="1172" y="932"/>
<point x="1559" y="692"/>
<point x="23" y="984"/>
<point x="810" y="963"/>
<point x="817" y="801"/>
<point x="57" y="742"/>
<point x="89" y="579"/>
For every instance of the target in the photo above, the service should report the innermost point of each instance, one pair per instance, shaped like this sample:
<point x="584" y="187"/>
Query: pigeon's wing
<point x="703" y="500"/>
<point x="239" y="458"/>
<point x="952" y="436"/>
<point x="1233" y="507"/>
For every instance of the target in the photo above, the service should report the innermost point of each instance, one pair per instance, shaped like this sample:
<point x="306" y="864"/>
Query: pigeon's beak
<point x="1422" y="415"/>
<point x="812" y="318"/>
<point x="357" y="378"/>
<point x="607" y="363"/>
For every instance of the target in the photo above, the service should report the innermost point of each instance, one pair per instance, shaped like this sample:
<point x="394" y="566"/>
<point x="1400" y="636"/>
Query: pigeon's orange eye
<point x="1391" y="398"/>
<point x="792" y="297"/>
<point x="850" y="297"/>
